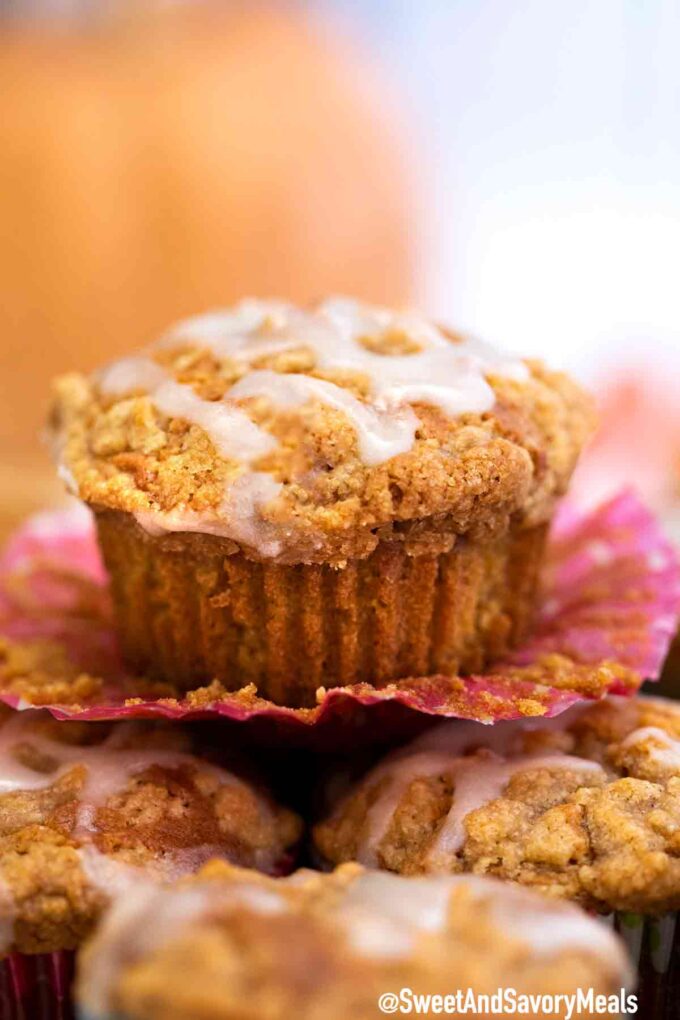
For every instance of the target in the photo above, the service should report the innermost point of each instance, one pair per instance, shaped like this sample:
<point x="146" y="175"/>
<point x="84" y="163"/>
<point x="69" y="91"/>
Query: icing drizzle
<point x="381" y="434"/>
<point x="339" y="333"/>
<point x="663" y="749"/>
<point x="109" y="767"/>
<point x="407" y="907"/>
<point x="380" y="915"/>
<point x="479" y="762"/>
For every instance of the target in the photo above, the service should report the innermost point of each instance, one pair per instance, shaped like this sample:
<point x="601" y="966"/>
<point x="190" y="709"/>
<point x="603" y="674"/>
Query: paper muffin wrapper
<point x="653" y="944"/>
<point x="37" y="987"/>
<point x="609" y="609"/>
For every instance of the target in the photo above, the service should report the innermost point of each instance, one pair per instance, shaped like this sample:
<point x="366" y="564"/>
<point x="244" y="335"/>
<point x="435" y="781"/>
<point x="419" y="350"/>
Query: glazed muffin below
<point x="309" y="436"/>
<point x="232" y="944"/>
<point x="89" y="809"/>
<point x="584" y="806"/>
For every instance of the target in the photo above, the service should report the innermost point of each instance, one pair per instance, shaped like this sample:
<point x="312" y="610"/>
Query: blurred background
<point x="513" y="168"/>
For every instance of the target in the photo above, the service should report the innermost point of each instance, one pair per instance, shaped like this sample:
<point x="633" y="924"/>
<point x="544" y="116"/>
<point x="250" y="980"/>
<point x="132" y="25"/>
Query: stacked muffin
<point x="305" y="498"/>
<point x="298" y="499"/>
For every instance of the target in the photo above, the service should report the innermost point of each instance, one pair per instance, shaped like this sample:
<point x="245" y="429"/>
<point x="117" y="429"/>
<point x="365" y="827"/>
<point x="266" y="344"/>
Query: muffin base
<point x="190" y="610"/>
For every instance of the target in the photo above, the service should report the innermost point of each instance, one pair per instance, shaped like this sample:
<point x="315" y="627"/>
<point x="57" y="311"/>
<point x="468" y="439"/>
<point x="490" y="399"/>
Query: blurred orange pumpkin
<point x="161" y="165"/>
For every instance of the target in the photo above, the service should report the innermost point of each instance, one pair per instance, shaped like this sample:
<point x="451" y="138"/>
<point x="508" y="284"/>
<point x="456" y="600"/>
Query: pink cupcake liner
<point x="37" y="987"/>
<point x="609" y="612"/>
<point x="611" y="589"/>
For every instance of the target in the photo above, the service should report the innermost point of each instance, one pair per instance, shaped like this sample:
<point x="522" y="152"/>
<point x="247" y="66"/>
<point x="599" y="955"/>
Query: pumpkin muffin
<point x="298" y="498"/>
<point x="585" y="806"/>
<point x="232" y="944"/>
<point x="89" y="809"/>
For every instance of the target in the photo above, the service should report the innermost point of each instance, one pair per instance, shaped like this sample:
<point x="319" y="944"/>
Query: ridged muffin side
<point x="190" y="612"/>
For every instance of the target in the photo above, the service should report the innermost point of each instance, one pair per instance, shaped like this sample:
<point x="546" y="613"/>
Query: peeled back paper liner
<point x="37" y="987"/>
<point x="609" y="610"/>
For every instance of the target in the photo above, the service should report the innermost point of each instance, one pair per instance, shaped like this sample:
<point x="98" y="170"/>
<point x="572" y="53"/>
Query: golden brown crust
<point x="609" y="838"/>
<point x="43" y="673"/>
<point x="62" y="858"/>
<point x="467" y="473"/>
<point x="189" y="615"/>
<point x="295" y="955"/>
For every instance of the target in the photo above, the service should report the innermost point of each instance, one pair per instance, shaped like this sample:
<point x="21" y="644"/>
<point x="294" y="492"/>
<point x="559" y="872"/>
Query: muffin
<point x="88" y="809"/>
<point x="231" y="944"/>
<point x="585" y="806"/>
<point x="297" y="498"/>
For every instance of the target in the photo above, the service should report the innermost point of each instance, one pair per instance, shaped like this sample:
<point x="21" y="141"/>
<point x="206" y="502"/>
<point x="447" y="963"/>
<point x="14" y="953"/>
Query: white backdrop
<point x="548" y="132"/>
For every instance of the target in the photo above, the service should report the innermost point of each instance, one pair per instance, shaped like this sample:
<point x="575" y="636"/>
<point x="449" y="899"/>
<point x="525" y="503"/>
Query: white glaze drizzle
<point x="443" y="373"/>
<point x="239" y="517"/>
<point x="660" y="746"/>
<point x="381" y="434"/>
<point x="109" y="766"/>
<point x="108" y="875"/>
<point x="478" y="778"/>
<point x="459" y="736"/>
<point x="234" y="436"/>
<point x="251" y="330"/>
<point x="109" y="769"/>
<point x="232" y="433"/>
<point x="434" y="751"/>
<point x="383" y="914"/>
<point x="447" y="374"/>
<point x="382" y="918"/>
<point x="130" y="375"/>
<point x="147" y="918"/>
<point x="480" y="782"/>
<point x="380" y="915"/>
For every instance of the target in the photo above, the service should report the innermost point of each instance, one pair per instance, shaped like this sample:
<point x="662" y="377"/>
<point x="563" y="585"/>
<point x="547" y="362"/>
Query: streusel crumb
<point x="469" y="471"/>
<point x="90" y="808"/>
<point x="326" y="947"/>
<point x="585" y="806"/>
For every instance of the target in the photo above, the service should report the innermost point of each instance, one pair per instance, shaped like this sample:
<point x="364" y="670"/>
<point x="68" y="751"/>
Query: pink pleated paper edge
<point x="612" y="594"/>
<point x="37" y="987"/>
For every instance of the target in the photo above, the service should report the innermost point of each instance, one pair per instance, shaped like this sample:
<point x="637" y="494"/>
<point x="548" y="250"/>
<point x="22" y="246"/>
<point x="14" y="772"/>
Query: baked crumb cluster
<point x="232" y="944"/>
<point x="585" y="806"/>
<point x="44" y="673"/>
<point x="88" y="809"/>
<point x="309" y="435"/>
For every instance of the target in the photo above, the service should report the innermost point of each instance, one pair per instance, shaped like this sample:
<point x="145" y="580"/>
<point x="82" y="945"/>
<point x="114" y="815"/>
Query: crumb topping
<point x="584" y="806"/>
<point x="320" y="945"/>
<point x="298" y="434"/>
<point x="87" y="809"/>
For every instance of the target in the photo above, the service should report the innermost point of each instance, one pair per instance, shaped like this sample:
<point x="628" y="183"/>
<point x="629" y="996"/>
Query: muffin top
<point x="306" y="435"/>
<point x="233" y="944"/>
<point x="584" y="806"/>
<point x="88" y="809"/>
